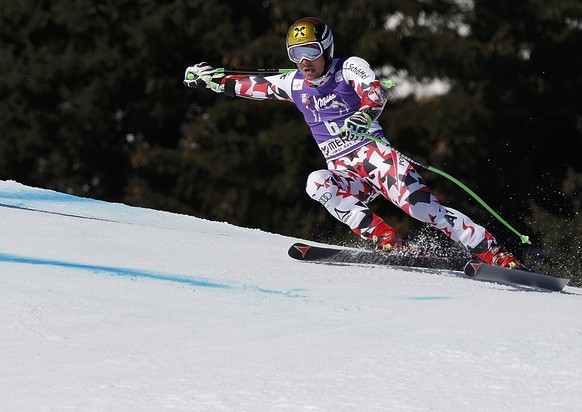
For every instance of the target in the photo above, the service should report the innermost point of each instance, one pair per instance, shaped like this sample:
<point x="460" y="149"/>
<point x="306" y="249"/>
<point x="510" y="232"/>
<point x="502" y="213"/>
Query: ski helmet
<point x="308" y="38"/>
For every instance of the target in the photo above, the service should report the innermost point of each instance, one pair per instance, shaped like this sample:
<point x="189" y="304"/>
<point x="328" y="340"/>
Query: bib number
<point x="332" y="128"/>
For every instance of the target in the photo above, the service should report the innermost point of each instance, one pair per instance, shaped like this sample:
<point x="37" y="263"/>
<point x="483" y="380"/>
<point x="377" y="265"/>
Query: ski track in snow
<point x="109" y="307"/>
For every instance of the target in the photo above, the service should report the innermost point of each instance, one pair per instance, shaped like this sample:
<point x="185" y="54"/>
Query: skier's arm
<point x="276" y="87"/>
<point x="360" y="76"/>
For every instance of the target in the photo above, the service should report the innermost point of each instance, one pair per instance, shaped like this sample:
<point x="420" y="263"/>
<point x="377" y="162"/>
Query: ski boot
<point x="499" y="256"/>
<point x="385" y="238"/>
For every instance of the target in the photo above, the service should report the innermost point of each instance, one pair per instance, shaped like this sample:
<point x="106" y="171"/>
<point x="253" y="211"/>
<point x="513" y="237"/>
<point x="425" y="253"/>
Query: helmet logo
<point x="299" y="31"/>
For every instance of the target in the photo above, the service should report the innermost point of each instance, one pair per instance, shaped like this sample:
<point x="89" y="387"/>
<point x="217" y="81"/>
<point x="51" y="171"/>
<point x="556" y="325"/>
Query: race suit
<point x="358" y="169"/>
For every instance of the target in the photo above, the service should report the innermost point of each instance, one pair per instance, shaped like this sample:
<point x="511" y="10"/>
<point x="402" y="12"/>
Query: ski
<point x="324" y="254"/>
<point x="482" y="271"/>
<point x="473" y="269"/>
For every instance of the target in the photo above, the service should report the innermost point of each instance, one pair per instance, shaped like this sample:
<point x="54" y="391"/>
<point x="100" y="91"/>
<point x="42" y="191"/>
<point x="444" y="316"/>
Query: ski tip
<point x="482" y="271"/>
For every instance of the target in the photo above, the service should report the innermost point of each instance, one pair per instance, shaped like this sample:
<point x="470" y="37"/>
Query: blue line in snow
<point x="42" y="195"/>
<point x="127" y="272"/>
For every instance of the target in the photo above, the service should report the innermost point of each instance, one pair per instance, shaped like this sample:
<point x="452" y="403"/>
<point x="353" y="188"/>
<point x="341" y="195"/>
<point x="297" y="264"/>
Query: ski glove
<point x="356" y="126"/>
<point x="203" y="75"/>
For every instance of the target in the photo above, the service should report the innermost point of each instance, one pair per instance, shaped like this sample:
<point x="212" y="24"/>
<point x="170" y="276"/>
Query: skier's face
<point x="312" y="69"/>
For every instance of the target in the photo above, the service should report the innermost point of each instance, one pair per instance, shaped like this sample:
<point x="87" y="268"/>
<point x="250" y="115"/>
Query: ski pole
<point x="524" y="238"/>
<point x="255" y="72"/>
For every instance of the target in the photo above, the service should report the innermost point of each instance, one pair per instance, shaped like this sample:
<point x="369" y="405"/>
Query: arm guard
<point x="373" y="100"/>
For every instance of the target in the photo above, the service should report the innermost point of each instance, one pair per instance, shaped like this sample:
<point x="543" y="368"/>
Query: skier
<point x="341" y="100"/>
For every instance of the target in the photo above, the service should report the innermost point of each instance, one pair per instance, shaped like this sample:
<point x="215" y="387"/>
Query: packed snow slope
<point x="106" y="307"/>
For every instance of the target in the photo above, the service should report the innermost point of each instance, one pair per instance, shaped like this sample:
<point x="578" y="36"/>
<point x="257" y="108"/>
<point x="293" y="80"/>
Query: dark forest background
<point x="92" y="104"/>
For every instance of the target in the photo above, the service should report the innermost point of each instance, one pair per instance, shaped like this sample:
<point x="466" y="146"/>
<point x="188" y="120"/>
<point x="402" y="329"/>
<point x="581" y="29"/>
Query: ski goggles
<point x="307" y="51"/>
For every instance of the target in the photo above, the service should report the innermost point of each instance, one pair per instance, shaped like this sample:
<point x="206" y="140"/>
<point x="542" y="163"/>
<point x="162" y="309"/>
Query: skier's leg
<point x="398" y="181"/>
<point x="345" y="195"/>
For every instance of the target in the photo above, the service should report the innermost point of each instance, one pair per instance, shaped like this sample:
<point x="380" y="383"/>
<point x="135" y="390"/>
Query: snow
<point x="104" y="306"/>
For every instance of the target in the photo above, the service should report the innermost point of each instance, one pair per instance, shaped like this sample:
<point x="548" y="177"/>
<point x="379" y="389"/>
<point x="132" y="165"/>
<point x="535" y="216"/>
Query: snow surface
<point x="106" y="307"/>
